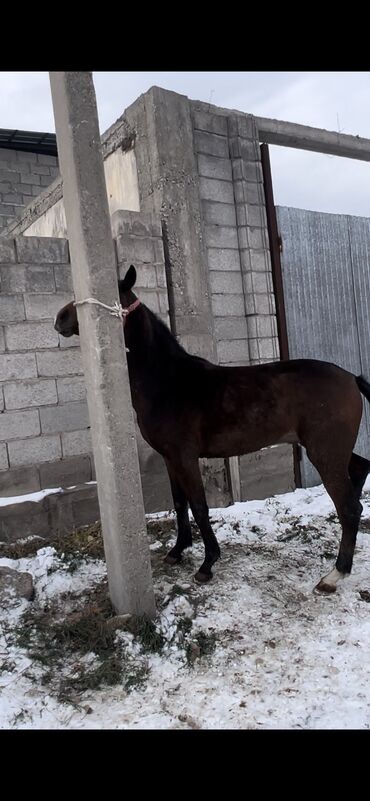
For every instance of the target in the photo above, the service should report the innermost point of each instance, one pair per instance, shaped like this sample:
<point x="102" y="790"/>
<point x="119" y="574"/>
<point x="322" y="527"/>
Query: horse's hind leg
<point x="184" y="536"/>
<point x="188" y="476"/>
<point x="334" y="472"/>
<point x="358" y="469"/>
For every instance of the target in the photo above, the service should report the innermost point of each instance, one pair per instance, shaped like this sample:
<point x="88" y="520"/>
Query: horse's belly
<point x="236" y="443"/>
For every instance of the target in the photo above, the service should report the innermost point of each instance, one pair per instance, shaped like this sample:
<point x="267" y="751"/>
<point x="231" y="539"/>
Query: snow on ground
<point x="255" y="648"/>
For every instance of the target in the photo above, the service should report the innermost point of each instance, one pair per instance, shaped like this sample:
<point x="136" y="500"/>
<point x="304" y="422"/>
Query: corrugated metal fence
<point x="325" y="263"/>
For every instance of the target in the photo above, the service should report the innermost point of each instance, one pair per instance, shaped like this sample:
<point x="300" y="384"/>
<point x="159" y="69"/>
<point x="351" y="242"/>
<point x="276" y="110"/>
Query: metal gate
<point x="325" y="262"/>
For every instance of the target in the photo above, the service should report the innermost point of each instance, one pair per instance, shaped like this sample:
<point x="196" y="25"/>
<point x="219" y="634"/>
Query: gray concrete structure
<point x="188" y="176"/>
<point x="23" y="176"/>
<point x="197" y="168"/>
<point x="43" y="372"/>
<point x="102" y="344"/>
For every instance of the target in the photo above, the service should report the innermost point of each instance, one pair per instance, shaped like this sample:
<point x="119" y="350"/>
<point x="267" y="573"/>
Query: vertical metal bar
<point x="277" y="279"/>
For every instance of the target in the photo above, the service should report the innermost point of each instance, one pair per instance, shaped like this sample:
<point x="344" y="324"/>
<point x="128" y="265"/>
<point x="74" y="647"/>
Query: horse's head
<point x="66" y="322"/>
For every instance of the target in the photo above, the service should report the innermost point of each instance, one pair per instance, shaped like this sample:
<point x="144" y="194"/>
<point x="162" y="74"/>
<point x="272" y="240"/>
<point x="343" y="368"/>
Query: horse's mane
<point x="165" y="342"/>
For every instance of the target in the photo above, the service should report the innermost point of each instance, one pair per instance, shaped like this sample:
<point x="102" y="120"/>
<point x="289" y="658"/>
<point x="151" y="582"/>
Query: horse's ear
<point x="129" y="280"/>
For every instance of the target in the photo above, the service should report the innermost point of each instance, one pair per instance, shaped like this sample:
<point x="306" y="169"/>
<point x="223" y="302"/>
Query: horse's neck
<point x="151" y="363"/>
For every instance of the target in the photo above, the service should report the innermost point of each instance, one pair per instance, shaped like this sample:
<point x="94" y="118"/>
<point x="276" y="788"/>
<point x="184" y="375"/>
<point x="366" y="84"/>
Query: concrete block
<point x="15" y="425"/>
<point x="23" y="520"/>
<point x="7" y="155"/>
<point x="17" y="365"/>
<point x="25" y="189"/>
<point x="71" y="389"/>
<point x="245" y="260"/>
<point x="211" y="144"/>
<point x="259" y="282"/>
<point x="34" y="451"/>
<point x="41" y="169"/>
<point x="11" y="308"/>
<point x="163" y="304"/>
<point x="63" y="279"/>
<point x="260" y="261"/>
<point x="59" y="363"/>
<point x="25" y="158"/>
<point x="227" y="283"/>
<point x="233" y="351"/>
<point x="13" y="197"/>
<point x="248" y="150"/>
<point x="76" y="442"/>
<point x="223" y="259"/>
<point x="7" y="250"/>
<point x="161" y="276"/>
<point x="219" y="213"/>
<point x="220" y="191"/>
<point x="158" y="251"/>
<point x="44" y="158"/>
<point x="134" y="248"/>
<point x="219" y="236"/>
<point x="4" y="464"/>
<point x="30" y="178"/>
<point x="46" y="180"/>
<point x="70" y="342"/>
<point x="231" y="328"/>
<point x="22" y="394"/>
<point x="242" y="125"/>
<point x="232" y="305"/>
<point x="262" y="304"/>
<point x="8" y="169"/>
<point x="19" y="481"/>
<point x="213" y="167"/>
<point x="267" y="348"/>
<point x="213" y="123"/>
<point x="29" y="336"/>
<point x="65" y="472"/>
<point x="42" y="249"/>
<point x="26" y="278"/>
<point x="242" y="189"/>
<point x="254" y="351"/>
<point x="151" y="299"/>
<point x="41" y="306"/>
<point x="255" y="238"/>
<point x="66" y="417"/>
<point x="136" y="223"/>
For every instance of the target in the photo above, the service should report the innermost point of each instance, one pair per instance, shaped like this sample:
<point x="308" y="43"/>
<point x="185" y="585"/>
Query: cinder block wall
<point x="233" y="204"/>
<point x="44" y="426"/>
<point x="23" y="176"/>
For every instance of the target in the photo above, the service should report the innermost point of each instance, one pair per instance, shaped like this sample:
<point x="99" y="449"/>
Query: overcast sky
<point x="337" y="101"/>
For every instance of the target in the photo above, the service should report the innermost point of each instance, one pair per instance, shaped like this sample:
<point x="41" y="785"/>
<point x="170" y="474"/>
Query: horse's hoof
<point x="172" y="560"/>
<point x="325" y="589"/>
<point x="203" y="578"/>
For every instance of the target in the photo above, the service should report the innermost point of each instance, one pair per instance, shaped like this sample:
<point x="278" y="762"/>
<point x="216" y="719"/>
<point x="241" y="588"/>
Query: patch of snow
<point x="283" y="657"/>
<point x="32" y="496"/>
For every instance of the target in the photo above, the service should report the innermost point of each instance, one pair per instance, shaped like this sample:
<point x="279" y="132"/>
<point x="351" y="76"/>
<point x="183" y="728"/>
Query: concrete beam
<point x="291" y="134"/>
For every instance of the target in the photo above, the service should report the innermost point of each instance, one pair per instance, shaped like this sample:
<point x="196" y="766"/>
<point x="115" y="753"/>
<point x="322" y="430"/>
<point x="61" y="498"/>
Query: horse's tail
<point x="363" y="386"/>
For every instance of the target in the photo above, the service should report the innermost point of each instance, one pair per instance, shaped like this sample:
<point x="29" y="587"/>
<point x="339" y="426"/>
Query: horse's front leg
<point x="188" y="476"/>
<point x="184" y="535"/>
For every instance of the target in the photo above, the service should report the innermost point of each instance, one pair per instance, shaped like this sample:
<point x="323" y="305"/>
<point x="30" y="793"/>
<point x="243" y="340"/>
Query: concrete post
<point x="102" y="345"/>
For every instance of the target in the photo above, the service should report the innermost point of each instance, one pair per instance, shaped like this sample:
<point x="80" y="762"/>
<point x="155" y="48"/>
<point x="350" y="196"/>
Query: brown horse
<point x="188" y="408"/>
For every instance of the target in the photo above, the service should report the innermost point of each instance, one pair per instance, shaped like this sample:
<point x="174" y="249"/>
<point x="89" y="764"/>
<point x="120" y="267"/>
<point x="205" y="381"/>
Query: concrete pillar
<point x="102" y="344"/>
